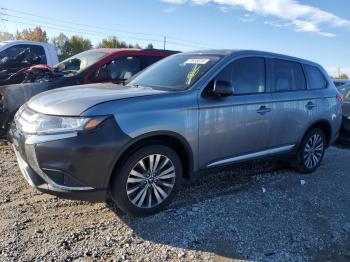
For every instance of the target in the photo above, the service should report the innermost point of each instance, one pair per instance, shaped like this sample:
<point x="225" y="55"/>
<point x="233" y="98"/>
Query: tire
<point x="137" y="190"/>
<point x="311" y="151"/>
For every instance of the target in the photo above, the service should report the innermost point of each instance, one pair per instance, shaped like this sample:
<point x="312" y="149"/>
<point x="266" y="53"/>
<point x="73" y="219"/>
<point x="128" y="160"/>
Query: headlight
<point x="46" y="124"/>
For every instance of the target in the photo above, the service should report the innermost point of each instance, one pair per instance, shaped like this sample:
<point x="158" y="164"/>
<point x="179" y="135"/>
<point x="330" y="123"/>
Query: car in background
<point x="93" y="66"/>
<point x="18" y="55"/>
<point x="187" y="113"/>
<point x="344" y="136"/>
<point x="340" y="82"/>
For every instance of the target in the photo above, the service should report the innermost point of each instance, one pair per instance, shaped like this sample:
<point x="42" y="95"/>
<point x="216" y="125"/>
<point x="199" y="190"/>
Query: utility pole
<point x="338" y="71"/>
<point x="164" y="39"/>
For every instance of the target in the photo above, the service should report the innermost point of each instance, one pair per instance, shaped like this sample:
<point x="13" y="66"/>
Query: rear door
<point x="236" y="127"/>
<point x="293" y="105"/>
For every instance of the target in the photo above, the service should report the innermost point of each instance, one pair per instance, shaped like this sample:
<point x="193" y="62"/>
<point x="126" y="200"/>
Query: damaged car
<point x="16" y="57"/>
<point x="92" y="66"/>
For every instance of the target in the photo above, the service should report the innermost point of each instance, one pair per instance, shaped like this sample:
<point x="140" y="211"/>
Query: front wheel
<point x="311" y="151"/>
<point x="147" y="181"/>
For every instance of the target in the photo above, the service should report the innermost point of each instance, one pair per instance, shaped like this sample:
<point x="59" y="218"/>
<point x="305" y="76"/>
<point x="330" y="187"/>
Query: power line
<point x="186" y="45"/>
<point x="73" y="29"/>
<point x="55" y="26"/>
<point x="58" y="27"/>
<point x="78" y="31"/>
<point x="192" y="42"/>
<point x="80" y="24"/>
<point x="178" y="41"/>
<point x="164" y="41"/>
<point x="40" y="21"/>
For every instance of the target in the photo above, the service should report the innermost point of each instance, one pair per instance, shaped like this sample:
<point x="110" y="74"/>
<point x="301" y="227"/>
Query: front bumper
<point x="44" y="184"/>
<point x="73" y="166"/>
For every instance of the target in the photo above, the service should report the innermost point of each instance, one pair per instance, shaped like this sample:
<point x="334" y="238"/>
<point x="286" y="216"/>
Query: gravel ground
<point x="257" y="212"/>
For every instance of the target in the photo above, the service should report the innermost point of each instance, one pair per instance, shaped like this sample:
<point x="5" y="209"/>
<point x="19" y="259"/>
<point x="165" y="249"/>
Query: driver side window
<point x="121" y="68"/>
<point x="245" y="75"/>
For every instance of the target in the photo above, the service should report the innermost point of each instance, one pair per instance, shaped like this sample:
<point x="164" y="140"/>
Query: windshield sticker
<point x="192" y="74"/>
<point x="197" y="61"/>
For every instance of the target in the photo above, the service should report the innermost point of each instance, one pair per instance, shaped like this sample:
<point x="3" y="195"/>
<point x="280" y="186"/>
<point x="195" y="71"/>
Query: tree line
<point x="341" y="76"/>
<point x="67" y="46"/>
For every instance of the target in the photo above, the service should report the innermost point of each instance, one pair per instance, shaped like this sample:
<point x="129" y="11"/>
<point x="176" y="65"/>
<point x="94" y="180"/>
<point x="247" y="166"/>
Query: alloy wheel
<point x="313" y="151"/>
<point x="150" y="181"/>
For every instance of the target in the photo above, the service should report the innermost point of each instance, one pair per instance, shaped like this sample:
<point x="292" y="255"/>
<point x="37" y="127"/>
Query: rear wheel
<point x="311" y="151"/>
<point x="147" y="181"/>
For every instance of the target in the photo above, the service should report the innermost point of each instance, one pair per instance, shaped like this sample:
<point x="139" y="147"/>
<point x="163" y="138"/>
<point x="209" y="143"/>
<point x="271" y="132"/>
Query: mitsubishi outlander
<point x="186" y="113"/>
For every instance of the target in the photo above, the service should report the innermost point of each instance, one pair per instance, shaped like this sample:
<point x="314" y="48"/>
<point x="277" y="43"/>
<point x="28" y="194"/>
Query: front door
<point x="236" y="127"/>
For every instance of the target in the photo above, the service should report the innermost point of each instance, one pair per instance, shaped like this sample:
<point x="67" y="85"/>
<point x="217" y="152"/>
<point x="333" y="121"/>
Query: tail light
<point x="340" y="98"/>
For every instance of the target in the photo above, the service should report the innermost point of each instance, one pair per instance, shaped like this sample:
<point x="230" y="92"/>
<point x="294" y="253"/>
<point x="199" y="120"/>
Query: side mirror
<point x="222" y="88"/>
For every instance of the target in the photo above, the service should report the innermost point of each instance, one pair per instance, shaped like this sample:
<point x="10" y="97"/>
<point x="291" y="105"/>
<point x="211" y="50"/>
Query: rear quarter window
<point x="316" y="79"/>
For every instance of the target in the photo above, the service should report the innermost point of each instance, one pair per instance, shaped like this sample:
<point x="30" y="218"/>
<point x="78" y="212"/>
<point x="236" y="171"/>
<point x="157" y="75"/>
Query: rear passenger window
<point x="315" y="77"/>
<point x="246" y="75"/>
<point x="287" y="76"/>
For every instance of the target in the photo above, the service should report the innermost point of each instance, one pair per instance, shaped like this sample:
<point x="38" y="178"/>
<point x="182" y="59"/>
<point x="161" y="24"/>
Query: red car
<point x="109" y="64"/>
<point x="92" y="66"/>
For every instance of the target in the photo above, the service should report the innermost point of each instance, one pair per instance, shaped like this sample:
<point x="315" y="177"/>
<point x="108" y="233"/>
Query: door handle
<point x="263" y="110"/>
<point x="310" y="105"/>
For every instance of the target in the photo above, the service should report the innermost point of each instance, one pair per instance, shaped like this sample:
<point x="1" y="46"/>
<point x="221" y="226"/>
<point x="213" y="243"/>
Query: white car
<point x="45" y="51"/>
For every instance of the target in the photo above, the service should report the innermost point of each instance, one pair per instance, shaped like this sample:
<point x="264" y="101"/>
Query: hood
<point x="76" y="99"/>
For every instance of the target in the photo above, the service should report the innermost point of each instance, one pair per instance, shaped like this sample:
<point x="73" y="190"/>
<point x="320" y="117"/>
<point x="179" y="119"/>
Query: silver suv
<point x="186" y="113"/>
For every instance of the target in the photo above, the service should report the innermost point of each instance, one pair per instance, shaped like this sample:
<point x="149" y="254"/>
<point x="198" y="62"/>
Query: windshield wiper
<point x="135" y="85"/>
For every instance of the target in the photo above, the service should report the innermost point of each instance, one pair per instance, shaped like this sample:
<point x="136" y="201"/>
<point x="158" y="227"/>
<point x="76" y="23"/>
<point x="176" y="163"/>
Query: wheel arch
<point x="325" y="126"/>
<point x="175" y="141"/>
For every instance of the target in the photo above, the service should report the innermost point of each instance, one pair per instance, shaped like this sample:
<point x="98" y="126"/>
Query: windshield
<point x="177" y="72"/>
<point x="80" y="61"/>
<point x="344" y="90"/>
